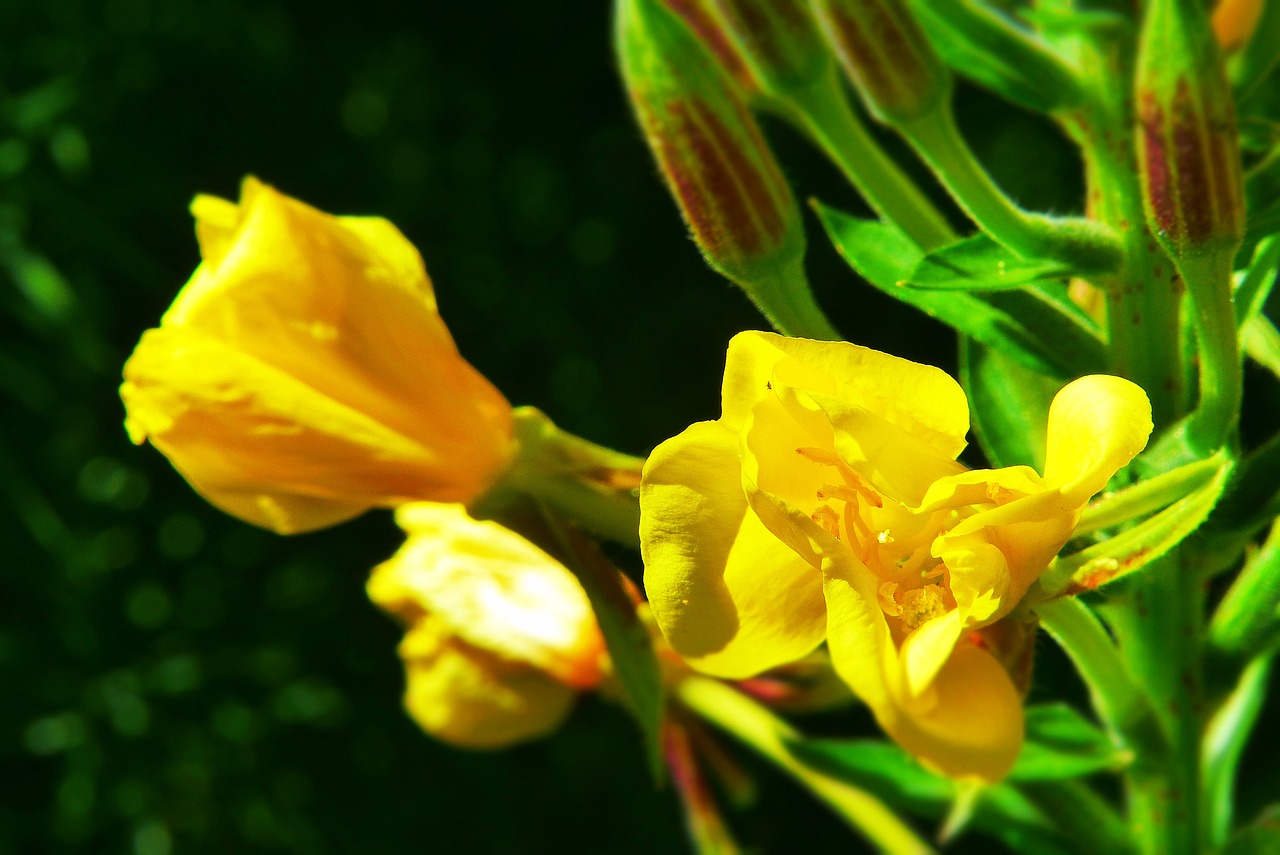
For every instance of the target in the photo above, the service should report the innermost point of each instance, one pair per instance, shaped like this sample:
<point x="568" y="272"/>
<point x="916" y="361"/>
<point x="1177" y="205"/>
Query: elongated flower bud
<point x="1188" y="150"/>
<point x="886" y="56"/>
<point x="701" y="19"/>
<point x="715" y="160"/>
<point x="779" y="41"/>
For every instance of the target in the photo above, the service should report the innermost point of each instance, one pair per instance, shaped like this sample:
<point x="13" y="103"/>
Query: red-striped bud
<point x="1187" y="148"/>
<point x="710" y="149"/>
<point x="701" y="18"/>
<point x="780" y="43"/>
<point x="885" y="55"/>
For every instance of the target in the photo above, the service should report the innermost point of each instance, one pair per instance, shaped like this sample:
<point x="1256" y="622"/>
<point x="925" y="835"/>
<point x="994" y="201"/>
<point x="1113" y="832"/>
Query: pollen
<point x="920" y="605"/>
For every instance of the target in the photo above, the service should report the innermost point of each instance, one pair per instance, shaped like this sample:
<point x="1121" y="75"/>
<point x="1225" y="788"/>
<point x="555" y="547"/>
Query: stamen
<point x="888" y="603"/>
<point x="826" y="517"/>
<point x="884" y="537"/>
<point x="920" y="605"/>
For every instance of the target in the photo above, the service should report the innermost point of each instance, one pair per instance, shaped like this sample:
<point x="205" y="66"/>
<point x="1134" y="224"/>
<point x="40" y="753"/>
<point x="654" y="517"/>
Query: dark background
<point x="174" y="680"/>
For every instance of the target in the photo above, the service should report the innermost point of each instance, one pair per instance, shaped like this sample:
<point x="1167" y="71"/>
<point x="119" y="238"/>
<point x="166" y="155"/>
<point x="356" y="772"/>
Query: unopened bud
<point x="700" y="17"/>
<point x="710" y="149"/>
<point x="1188" y="150"/>
<point x="780" y="43"/>
<point x="886" y="56"/>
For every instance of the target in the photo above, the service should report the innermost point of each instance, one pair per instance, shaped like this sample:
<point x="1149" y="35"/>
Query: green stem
<point x="1158" y="627"/>
<point x="1117" y="698"/>
<point x="1084" y="244"/>
<point x="588" y="483"/>
<point x="1082" y="815"/>
<point x="784" y="297"/>
<point x="826" y="116"/>
<point x="1208" y="278"/>
<point x="756" y="727"/>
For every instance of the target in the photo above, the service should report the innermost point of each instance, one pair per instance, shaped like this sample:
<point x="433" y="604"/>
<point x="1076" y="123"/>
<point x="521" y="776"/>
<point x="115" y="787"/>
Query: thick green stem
<point x="1117" y="698"/>
<point x="1159" y="627"/>
<point x="1208" y="278"/>
<point x="1083" y="244"/>
<point x="756" y="727"/>
<point x="826" y="116"/>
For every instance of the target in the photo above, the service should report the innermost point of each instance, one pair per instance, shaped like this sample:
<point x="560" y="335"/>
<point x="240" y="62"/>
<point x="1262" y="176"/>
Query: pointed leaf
<point x="978" y="263"/>
<point x="1130" y="551"/>
<point x="1061" y="743"/>
<point x="1255" y="286"/>
<point x="1009" y="405"/>
<point x="1025" y="327"/>
<point x="1224" y="742"/>
<point x="1260" y="837"/>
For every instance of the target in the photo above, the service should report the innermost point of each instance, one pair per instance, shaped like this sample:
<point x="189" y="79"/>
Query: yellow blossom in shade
<point x="304" y="374"/>
<point x="827" y="503"/>
<point x="500" y="635"/>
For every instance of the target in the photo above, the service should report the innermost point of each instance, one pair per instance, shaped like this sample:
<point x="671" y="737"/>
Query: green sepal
<point x="998" y="54"/>
<point x="1148" y="495"/>
<point x="1061" y="743"/>
<point x="889" y="772"/>
<point x="1225" y="739"/>
<point x="630" y="649"/>
<point x="1008" y="405"/>
<point x="1116" y="558"/>
<point x="1028" y="327"/>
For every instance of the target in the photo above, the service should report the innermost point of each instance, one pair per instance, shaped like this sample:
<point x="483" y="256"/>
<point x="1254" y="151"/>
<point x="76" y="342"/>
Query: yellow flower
<point x="304" y="375"/>
<point x="826" y="503"/>
<point x="500" y="635"/>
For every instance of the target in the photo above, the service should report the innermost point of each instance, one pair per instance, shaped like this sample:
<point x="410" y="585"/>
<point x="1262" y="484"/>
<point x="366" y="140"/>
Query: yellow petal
<point x="267" y="447"/>
<point x="972" y="727"/>
<point x="472" y="699"/>
<point x="1097" y="424"/>
<point x="492" y="589"/>
<point x="728" y="595"/>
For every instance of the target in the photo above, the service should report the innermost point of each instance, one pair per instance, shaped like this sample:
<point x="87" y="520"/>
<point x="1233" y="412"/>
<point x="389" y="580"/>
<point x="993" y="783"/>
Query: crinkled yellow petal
<point x="492" y="589"/>
<point x="921" y="400"/>
<point x="728" y="595"/>
<point x="971" y="727"/>
<point x="273" y="450"/>
<point x="1097" y="424"/>
<point x="472" y="699"/>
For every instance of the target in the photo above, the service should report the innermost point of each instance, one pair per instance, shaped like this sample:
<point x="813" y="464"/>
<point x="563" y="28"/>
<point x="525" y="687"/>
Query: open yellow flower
<point x="500" y="635"/>
<point x="304" y="375"/>
<point x="826" y="503"/>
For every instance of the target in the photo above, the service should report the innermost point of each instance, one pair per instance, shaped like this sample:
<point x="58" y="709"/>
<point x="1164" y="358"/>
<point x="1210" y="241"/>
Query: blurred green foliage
<point x="177" y="681"/>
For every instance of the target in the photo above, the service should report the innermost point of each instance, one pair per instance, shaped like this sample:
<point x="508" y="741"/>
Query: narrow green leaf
<point x="1224" y="742"/>
<point x="1000" y="811"/>
<point x="1150" y="494"/>
<point x="1253" y="497"/>
<point x="1255" y="286"/>
<point x="1260" y="837"/>
<point x="1061" y="743"/>
<point x="1130" y="551"/>
<point x="978" y="263"/>
<point x="1009" y="405"/>
<point x="625" y="637"/>
<point x="1261" y="342"/>
<point x="1027" y="329"/>
<point x="1258" y="58"/>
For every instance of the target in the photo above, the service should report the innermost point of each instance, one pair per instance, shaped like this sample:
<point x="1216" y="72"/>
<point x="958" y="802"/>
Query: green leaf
<point x="1258" y="58"/>
<point x="889" y="772"/>
<point x="625" y="636"/>
<point x="1130" y="551"/>
<point x="1029" y="328"/>
<point x="1009" y="405"/>
<point x="1253" y="497"/>
<point x="1261" y="342"/>
<point x="1260" y="837"/>
<point x="1148" y="495"/>
<point x="978" y="263"/>
<point x="1255" y="286"/>
<point x="989" y="48"/>
<point x="1061" y="743"/>
<point x="1224" y="742"/>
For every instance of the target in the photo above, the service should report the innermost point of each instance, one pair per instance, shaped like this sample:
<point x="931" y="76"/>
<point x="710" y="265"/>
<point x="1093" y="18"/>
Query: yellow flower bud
<point x="304" y="375"/>
<point x="500" y="635"/>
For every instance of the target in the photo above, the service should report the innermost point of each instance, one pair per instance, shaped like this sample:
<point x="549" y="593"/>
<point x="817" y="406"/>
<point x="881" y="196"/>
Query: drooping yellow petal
<point x="1097" y="424"/>
<point x="972" y="725"/>
<point x="728" y="595"/>
<point x="473" y="699"/>
<point x="492" y="589"/>
<point x="242" y="431"/>
<point x="342" y="307"/>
